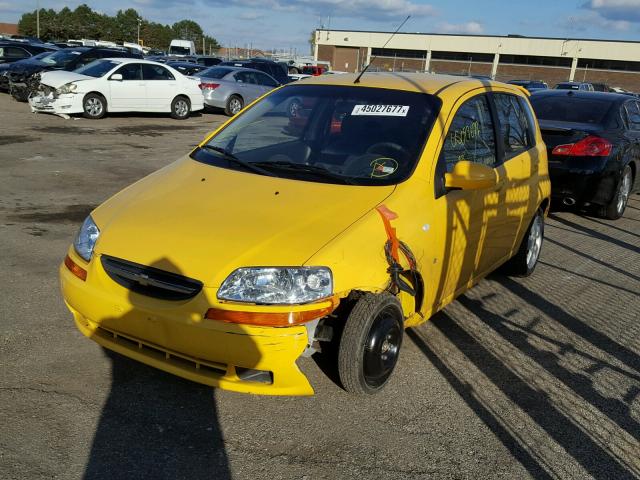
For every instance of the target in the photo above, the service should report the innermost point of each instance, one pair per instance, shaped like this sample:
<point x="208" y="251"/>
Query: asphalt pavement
<point x="519" y="378"/>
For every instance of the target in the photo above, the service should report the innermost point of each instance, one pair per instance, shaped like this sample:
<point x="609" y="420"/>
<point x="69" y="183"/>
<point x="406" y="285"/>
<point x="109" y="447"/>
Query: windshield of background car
<point x="331" y="134"/>
<point x="215" y="72"/>
<point x="570" y="108"/>
<point x="62" y="57"/>
<point x="173" y="50"/>
<point x="97" y="68"/>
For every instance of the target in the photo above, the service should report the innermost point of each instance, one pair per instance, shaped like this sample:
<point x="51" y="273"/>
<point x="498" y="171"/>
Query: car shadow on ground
<point x="153" y="424"/>
<point x="614" y="419"/>
<point x="156" y="425"/>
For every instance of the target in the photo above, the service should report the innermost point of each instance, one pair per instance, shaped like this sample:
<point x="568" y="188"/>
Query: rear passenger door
<point x="511" y="206"/>
<point x="161" y="87"/>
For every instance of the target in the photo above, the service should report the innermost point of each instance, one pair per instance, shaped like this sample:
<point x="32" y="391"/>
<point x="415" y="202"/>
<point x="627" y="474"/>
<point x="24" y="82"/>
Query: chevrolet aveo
<point x="338" y="223"/>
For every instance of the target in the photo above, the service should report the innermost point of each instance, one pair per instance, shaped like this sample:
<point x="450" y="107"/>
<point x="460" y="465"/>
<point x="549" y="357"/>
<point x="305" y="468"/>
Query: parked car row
<point x="536" y="85"/>
<point x="96" y="80"/>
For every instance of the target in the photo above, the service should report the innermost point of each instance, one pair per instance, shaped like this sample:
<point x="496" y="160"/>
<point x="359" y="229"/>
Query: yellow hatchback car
<point x="330" y="212"/>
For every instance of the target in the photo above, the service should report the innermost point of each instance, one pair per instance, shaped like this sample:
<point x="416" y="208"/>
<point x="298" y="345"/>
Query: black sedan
<point x="593" y="143"/>
<point x="187" y="68"/>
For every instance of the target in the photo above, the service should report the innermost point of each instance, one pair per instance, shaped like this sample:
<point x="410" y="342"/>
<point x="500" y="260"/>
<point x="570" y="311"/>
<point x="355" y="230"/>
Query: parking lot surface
<point x="533" y="378"/>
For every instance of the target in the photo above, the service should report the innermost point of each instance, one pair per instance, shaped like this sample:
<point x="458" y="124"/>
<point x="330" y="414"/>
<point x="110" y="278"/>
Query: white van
<point x="181" y="48"/>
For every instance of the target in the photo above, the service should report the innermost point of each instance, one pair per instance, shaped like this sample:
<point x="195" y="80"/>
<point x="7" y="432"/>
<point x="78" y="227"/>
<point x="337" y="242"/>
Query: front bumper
<point x="62" y="104"/>
<point x="173" y="335"/>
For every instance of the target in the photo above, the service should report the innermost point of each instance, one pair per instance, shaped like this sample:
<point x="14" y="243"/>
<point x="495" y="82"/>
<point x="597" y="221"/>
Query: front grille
<point x="168" y="357"/>
<point x="150" y="281"/>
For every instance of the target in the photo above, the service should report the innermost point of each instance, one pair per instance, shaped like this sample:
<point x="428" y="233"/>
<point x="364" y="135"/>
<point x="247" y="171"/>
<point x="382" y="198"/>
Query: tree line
<point x="83" y="22"/>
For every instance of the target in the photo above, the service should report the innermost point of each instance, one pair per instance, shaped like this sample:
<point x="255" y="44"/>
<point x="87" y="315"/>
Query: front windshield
<point x="173" y="50"/>
<point x="332" y="134"/>
<point x="97" y="68"/>
<point x="62" y="57"/>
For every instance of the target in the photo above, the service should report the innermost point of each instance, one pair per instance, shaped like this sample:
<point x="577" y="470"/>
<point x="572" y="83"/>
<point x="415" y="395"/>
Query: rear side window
<point x="155" y="72"/>
<point x="514" y="124"/>
<point x="471" y="136"/>
<point x="566" y="108"/>
<point x="633" y="115"/>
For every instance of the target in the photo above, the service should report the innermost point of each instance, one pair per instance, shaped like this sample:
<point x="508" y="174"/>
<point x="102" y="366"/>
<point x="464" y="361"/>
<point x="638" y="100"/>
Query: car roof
<point x="411" y="82"/>
<point x="612" y="97"/>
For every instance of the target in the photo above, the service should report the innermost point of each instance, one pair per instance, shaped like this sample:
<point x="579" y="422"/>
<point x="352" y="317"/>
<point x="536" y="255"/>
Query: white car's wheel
<point x="180" y="108"/>
<point x="94" y="106"/>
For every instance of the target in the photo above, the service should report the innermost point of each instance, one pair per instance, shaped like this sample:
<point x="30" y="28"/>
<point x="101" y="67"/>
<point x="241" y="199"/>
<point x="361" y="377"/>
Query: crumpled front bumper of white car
<point x="54" y="103"/>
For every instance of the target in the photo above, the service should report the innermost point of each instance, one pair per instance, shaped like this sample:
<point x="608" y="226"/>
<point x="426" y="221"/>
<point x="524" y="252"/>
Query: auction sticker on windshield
<point x="381" y="110"/>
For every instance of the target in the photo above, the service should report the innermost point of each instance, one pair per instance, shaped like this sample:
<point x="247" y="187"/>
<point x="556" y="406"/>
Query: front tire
<point x="370" y="343"/>
<point x="180" y="108"/>
<point x="94" y="106"/>
<point x="524" y="262"/>
<point x="615" y="209"/>
<point x="234" y="105"/>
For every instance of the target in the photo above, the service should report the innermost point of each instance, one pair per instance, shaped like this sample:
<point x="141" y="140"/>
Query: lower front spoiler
<point x="286" y="378"/>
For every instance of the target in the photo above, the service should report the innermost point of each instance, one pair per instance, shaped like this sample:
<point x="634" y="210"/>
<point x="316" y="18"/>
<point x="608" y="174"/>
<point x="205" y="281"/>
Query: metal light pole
<point x="139" y="23"/>
<point x="38" y="18"/>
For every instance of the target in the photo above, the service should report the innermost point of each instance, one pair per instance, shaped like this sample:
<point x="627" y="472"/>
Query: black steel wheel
<point x="370" y="344"/>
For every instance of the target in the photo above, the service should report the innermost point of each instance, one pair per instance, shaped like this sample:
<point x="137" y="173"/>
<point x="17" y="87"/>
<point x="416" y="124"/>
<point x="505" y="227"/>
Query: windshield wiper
<point x="230" y="157"/>
<point x="301" y="167"/>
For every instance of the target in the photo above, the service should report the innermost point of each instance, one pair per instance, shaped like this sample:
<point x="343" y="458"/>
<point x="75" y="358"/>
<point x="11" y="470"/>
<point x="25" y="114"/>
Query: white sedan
<point x="118" y="85"/>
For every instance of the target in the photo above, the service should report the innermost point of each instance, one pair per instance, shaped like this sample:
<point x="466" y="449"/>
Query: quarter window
<point x="471" y="136"/>
<point x="514" y="125"/>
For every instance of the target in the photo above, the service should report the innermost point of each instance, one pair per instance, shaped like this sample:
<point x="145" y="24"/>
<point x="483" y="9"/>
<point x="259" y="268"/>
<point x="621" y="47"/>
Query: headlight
<point x="67" y="88"/>
<point x="86" y="238"/>
<point x="280" y="285"/>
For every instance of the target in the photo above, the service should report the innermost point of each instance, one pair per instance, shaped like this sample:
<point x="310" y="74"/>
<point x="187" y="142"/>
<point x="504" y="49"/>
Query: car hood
<point x="204" y="222"/>
<point x="57" y="78"/>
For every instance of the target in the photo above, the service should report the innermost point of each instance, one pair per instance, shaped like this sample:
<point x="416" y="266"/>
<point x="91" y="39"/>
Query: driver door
<point x="460" y="216"/>
<point x="130" y="93"/>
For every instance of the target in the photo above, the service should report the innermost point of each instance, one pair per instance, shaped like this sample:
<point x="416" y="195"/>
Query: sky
<point x="287" y="24"/>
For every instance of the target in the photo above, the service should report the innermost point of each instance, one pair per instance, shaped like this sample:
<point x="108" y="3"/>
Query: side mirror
<point x="116" y="76"/>
<point x="470" y="176"/>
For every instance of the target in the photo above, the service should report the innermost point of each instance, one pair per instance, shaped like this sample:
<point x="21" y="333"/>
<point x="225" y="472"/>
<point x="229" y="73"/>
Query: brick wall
<point x="9" y="28"/>
<point x="551" y="75"/>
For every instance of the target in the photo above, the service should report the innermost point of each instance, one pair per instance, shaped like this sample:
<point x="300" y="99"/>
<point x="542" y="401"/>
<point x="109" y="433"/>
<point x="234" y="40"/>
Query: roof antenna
<point x="357" y="80"/>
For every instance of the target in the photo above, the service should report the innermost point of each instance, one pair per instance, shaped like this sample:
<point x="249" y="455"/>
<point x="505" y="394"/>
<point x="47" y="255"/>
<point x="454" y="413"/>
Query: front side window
<point x="155" y="72"/>
<point x="514" y="124"/>
<point x="633" y="115"/>
<point x="471" y="136"/>
<point x="131" y="71"/>
<point x="13" y="52"/>
<point x="265" y="80"/>
<point x="330" y="134"/>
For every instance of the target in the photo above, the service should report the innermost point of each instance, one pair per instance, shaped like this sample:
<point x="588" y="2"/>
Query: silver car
<point x="231" y="88"/>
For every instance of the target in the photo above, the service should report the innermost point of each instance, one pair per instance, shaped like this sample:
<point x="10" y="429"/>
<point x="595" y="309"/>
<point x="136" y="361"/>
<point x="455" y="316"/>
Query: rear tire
<point x="94" y="106"/>
<point x="524" y="262"/>
<point x="615" y="209"/>
<point x="180" y="108"/>
<point x="234" y="105"/>
<point x="370" y="343"/>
